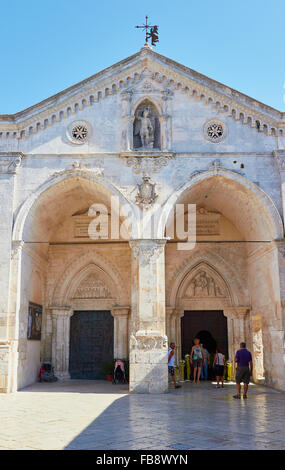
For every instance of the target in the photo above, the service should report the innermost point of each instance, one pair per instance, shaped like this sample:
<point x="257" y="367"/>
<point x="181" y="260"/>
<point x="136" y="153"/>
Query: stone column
<point x="121" y="335"/>
<point x="148" y="342"/>
<point x="60" y="340"/>
<point x="8" y="342"/>
<point x="178" y="315"/>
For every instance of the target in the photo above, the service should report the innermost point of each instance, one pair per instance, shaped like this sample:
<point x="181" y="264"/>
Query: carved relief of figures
<point x="146" y="127"/>
<point x="92" y="288"/>
<point x="203" y="285"/>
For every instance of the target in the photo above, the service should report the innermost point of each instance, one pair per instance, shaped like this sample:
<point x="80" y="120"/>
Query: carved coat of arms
<point x="146" y="194"/>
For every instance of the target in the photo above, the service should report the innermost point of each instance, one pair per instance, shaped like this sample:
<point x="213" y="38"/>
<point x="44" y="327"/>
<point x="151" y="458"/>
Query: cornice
<point x="131" y="71"/>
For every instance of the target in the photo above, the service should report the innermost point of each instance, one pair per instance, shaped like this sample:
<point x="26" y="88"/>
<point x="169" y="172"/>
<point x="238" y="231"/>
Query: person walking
<point x="219" y="367"/>
<point x="197" y="359"/>
<point x="204" y="369"/>
<point x="171" y="361"/>
<point x="243" y="360"/>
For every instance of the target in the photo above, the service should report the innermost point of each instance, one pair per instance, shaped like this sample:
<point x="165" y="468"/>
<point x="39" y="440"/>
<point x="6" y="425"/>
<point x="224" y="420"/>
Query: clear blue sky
<point x="48" y="45"/>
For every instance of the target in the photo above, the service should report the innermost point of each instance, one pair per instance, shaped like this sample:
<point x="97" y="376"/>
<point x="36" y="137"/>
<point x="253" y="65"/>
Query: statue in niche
<point x="146" y="127"/>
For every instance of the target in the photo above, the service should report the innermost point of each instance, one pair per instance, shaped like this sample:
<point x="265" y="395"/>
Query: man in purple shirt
<point x="243" y="360"/>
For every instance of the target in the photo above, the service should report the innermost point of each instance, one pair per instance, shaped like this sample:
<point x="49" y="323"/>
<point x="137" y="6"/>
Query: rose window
<point x="80" y="133"/>
<point x="214" y="131"/>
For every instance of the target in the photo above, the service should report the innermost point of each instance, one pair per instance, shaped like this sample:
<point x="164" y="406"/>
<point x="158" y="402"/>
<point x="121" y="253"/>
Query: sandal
<point x="237" y="397"/>
<point x="245" y="397"/>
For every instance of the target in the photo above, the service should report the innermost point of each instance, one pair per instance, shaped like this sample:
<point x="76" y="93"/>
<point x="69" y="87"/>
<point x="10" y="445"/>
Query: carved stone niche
<point x="146" y="118"/>
<point x="146" y="127"/>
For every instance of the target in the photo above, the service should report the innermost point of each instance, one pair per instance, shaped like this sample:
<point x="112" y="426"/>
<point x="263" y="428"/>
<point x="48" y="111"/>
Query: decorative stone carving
<point x="92" y="288"/>
<point x="215" y="131"/>
<point x="10" y="164"/>
<point x="146" y="194"/>
<point x="80" y="167"/>
<point x="147" y="164"/>
<point x="215" y="165"/>
<point x="204" y="285"/>
<point x="144" y="340"/>
<point x="151" y="254"/>
<point x="78" y="132"/>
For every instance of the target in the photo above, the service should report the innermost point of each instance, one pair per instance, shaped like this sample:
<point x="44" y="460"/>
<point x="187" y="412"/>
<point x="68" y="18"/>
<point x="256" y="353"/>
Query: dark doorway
<point x="91" y="344"/>
<point x="210" y="326"/>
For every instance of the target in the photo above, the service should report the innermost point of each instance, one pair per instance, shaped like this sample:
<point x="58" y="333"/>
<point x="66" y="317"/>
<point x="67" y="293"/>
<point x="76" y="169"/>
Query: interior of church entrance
<point x="91" y="344"/>
<point x="210" y="326"/>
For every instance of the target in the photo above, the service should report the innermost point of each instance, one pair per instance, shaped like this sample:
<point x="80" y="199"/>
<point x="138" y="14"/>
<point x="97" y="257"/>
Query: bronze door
<point x="91" y="343"/>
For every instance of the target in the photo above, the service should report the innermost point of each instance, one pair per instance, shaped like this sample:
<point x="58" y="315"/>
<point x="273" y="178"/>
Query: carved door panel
<point x="209" y="325"/>
<point x="91" y="343"/>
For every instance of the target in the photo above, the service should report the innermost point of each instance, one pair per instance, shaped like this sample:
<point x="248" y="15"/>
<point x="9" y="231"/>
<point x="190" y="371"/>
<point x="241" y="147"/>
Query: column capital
<point x="120" y="311"/>
<point x="60" y="311"/>
<point x="147" y="249"/>
<point x="237" y="312"/>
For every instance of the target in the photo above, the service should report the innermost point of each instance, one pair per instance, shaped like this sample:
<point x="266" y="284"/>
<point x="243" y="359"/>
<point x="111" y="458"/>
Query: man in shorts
<point x="243" y="360"/>
<point x="171" y="360"/>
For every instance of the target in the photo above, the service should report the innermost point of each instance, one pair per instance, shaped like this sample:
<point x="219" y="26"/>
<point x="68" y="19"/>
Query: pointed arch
<point x="217" y="268"/>
<point x="62" y="178"/>
<point x="82" y="264"/>
<point x="239" y="193"/>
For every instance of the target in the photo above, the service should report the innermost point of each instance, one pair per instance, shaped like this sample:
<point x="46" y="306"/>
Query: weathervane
<point x="152" y="34"/>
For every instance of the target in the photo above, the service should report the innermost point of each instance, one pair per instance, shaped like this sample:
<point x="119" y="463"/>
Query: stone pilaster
<point x="8" y="342"/>
<point x="148" y="342"/>
<point x="60" y="340"/>
<point x="121" y="332"/>
<point x="237" y="318"/>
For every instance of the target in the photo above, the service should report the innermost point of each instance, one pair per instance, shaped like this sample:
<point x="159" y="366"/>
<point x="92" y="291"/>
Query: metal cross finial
<point x="152" y="34"/>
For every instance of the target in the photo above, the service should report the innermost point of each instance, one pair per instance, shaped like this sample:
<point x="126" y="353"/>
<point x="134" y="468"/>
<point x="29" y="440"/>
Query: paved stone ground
<point x="99" y="415"/>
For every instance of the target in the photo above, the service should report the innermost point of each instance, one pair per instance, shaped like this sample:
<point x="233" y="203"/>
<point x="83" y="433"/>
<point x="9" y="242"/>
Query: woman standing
<point x="197" y="359"/>
<point x="219" y="367"/>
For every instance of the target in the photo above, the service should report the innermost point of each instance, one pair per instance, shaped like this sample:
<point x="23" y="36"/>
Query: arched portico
<point x="76" y="274"/>
<point x="241" y="258"/>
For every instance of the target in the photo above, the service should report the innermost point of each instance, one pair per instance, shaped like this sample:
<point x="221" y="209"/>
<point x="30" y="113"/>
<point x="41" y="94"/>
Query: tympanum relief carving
<point x="92" y="288"/>
<point x="204" y="285"/>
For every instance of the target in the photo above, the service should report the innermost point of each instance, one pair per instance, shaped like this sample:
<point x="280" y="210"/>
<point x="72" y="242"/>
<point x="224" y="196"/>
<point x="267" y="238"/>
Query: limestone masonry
<point x="149" y="133"/>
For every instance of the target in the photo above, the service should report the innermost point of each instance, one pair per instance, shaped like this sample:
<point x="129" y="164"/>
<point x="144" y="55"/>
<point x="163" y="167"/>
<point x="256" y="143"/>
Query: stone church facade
<point x="147" y="133"/>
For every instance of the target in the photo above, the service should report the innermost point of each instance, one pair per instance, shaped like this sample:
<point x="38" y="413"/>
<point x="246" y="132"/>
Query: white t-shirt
<point x="171" y="362"/>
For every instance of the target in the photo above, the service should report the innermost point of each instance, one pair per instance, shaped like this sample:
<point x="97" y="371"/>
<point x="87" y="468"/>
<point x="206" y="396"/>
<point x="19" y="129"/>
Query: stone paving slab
<point x="99" y="415"/>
